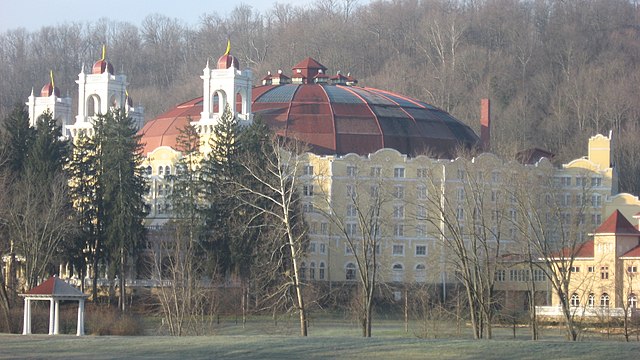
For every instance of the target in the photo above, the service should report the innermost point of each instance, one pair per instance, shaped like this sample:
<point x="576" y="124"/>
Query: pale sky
<point x="33" y="14"/>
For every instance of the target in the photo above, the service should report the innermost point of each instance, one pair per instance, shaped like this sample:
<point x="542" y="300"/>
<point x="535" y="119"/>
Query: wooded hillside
<point x="556" y="71"/>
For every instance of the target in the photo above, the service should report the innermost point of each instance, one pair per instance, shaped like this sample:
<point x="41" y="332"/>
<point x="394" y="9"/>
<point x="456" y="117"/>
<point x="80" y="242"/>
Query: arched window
<point x="350" y="271"/>
<point x="312" y="271"/>
<point x="633" y="301"/>
<point x="398" y="271"/>
<point x="303" y="270"/>
<point x="167" y="170"/>
<point x="148" y="170"/>
<point x="592" y="300"/>
<point x="604" y="300"/>
<point x="93" y="105"/>
<point x="222" y="100"/>
<point x="575" y="300"/>
<point x="160" y="170"/>
<point x="421" y="273"/>
<point x="321" y="271"/>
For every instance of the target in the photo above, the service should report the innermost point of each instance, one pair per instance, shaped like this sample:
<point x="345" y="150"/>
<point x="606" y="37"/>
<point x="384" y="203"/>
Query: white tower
<point x="50" y="100"/>
<point x="99" y="92"/>
<point x="225" y="85"/>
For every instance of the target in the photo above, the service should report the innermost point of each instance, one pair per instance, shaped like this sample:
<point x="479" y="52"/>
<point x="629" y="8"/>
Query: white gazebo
<point x="54" y="290"/>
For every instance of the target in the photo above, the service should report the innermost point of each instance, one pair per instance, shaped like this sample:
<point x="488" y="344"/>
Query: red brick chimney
<point x="485" y="125"/>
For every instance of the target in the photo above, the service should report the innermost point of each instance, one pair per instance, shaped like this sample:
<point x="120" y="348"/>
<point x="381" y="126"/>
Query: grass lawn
<point x="329" y="339"/>
<point x="292" y="347"/>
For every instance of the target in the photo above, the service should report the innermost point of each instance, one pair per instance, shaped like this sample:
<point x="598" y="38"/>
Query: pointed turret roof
<point x="617" y="224"/>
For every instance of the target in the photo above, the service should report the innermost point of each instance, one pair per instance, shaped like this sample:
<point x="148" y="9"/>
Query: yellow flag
<point x="51" y="75"/>
<point x="228" y="47"/>
<point x="104" y="51"/>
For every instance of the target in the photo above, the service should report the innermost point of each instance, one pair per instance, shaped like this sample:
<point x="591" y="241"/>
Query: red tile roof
<point x="617" y="224"/>
<point x="584" y="250"/>
<point x="309" y="63"/>
<point x="55" y="287"/>
<point x="633" y="253"/>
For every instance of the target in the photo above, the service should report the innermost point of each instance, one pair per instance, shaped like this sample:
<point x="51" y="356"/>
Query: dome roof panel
<point x="339" y="119"/>
<point x="277" y="94"/>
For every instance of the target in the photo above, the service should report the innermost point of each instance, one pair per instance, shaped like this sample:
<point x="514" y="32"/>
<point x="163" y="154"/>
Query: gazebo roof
<point x="56" y="288"/>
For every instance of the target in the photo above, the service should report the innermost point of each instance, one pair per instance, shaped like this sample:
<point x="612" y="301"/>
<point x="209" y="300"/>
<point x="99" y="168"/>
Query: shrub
<point x="106" y="320"/>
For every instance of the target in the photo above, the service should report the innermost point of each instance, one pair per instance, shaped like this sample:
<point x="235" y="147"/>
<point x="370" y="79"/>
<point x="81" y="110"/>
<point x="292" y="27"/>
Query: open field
<point x="292" y="347"/>
<point x="329" y="338"/>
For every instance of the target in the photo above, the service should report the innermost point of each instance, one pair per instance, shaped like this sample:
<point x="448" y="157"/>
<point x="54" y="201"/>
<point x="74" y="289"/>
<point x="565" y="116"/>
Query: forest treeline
<point x="557" y="71"/>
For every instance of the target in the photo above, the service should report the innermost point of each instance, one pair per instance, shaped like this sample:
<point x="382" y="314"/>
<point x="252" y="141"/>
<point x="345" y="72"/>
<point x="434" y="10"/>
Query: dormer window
<point x="299" y="71"/>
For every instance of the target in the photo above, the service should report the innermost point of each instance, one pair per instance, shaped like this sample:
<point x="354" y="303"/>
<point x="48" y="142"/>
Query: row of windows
<point x="632" y="300"/>
<point x="581" y="181"/>
<point x="162" y="170"/>
<point x="396" y="250"/>
<point x="397" y="268"/>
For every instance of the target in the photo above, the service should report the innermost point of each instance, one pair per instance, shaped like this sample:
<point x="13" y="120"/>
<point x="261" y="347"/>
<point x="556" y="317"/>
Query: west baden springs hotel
<point x="366" y="143"/>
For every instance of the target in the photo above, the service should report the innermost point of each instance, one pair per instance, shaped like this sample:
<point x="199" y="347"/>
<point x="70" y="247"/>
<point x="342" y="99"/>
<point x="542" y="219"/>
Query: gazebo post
<point x="26" y="326"/>
<point x="52" y="312"/>
<point x="56" y="317"/>
<point x="80" y="331"/>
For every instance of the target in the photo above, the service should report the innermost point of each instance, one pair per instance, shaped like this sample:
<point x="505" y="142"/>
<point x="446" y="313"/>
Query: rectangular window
<point x="351" y="170"/>
<point x="398" y="212"/>
<point x="500" y="275"/>
<point x="596" y="181"/>
<point x="538" y="275"/>
<point x="374" y="191"/>
<point x="307" y="208"/>
<point x="397" y="250"/>
<point x="495" y="177"/>
<point x="324" y="228"/>
<point x="351" y="229"/>
<point x="347" y="249"/>
<point x="632" y="269"/>
<point x="351" y="210"/>
<point x="323" y="248"/>
<point x="421" y="173"/>
<point x="307" y="170"/>
<point x="313" y="228"/>
<point x="581" y="181"/>
<point x="460" y="194"/>
<point x="312" y="247"/>
<point x="460" y="214"/>
<point x="398" y="230"/>
<point x="376" y="171"/>
<point x="494" y="195"/>
<point x="421" y="250"/>
<point x="596" y="200"/>
<point x="398" y="172"/>
<point x="565" y="180"/>
<point x="421" y="192"/>
<point x="604" y="272"/>
<point x="575" y="269"/>
<point x="590" y="269"/>
<point x="421" y="231"/>
<point x="307" y="190"/>
<point x="398" y="192"/>
<point x="513" y="275"/>
<point x="351" y="191"/>
<point x="421" y="212"/>
<point x="461" y="174"/>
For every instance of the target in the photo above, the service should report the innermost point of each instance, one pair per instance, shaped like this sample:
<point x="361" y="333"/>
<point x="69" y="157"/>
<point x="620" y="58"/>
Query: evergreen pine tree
<point x="123" y="188"/>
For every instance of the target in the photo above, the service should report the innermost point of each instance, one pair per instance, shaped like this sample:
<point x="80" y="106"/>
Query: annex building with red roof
<point x="604" y="277"/>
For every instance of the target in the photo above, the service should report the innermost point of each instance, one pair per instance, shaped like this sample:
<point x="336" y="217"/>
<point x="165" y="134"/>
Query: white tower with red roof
<point x="225" y="85"/>
<point x="101" y="91"/>
<point x="50" y="100"/>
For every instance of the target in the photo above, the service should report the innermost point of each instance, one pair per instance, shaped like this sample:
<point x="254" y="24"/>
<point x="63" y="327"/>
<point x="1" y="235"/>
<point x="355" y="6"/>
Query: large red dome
<point x="335" y="119"/>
